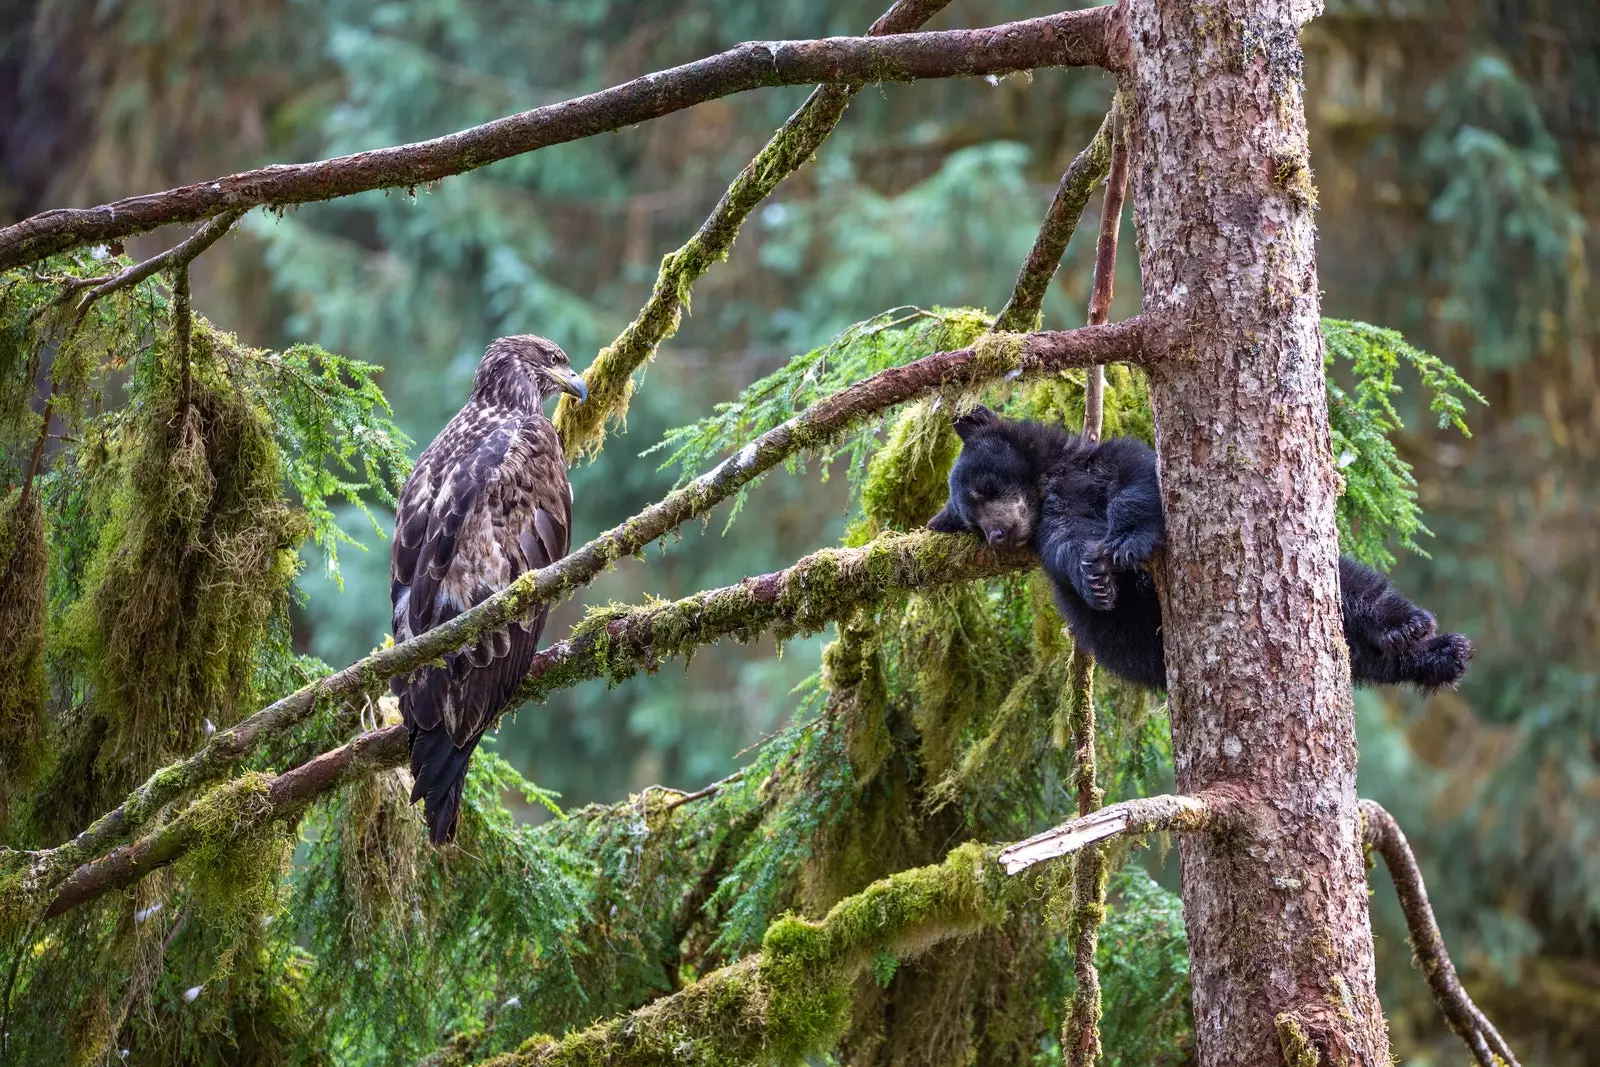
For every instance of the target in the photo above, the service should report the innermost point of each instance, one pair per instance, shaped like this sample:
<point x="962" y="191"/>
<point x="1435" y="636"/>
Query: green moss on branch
<point x="793" y="999"/>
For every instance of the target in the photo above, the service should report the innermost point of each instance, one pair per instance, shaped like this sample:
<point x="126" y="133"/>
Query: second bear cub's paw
<point x="1405" y="633"/>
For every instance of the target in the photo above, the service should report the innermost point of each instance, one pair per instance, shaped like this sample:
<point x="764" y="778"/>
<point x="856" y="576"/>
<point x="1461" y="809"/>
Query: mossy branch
<point x="1383" y="835"/>
<point x="1071" y="38"/>
<point x="614" y="644"/>
<point x="610" y="377"/>
<point x="793" y="999"/>
<point x="1135" y="340"/>
<point x="1061" y="219"/>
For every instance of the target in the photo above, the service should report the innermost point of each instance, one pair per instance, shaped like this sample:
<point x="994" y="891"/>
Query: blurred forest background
<point x="1456" y="149"/>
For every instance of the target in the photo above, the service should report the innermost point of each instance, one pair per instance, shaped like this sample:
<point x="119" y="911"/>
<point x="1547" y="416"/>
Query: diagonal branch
<point x="1072" y="38"/>
<point x="1135" y="340"/>
<point x="610" y="377"/>
<point x="176" y="257"/>
<point x="1061" y="219"/>
<point x="614" y="645"/>
<point x="1382" y="834"/>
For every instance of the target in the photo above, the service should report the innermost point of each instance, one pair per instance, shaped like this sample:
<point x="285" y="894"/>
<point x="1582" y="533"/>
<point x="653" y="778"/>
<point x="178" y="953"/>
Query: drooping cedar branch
<point x="614" y="645"/>
<point x="610" y="377"/>
<point x="1135" y="340"/>
<point x="1073" y="38"/>
<point x="1382" y="834"/>
<point x="1080" y="1039"/>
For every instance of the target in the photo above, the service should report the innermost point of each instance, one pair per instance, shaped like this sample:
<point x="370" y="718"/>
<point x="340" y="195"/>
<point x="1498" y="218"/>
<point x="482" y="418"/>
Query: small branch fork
<point x="1072" y="38"/>
<point x="1382" y="834"/>
<point x="177" y="258"/>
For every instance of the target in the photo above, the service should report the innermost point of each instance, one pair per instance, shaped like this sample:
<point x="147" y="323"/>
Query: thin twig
<point x="1071" y="38"/>
<point x="610" y="377"/>
<point x="1382" y="834"/>
<point x="1080" y="1032"/>
<point x="1105" y="264"/>
<point x="1134" y="340"/>
<point x="178" y="255"/>
<point x="182" y="335"/>
<point x="705" y="791"/>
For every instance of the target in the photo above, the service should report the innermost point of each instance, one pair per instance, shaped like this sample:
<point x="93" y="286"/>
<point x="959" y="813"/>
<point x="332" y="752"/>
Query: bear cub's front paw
<point x="1099" y="586"/>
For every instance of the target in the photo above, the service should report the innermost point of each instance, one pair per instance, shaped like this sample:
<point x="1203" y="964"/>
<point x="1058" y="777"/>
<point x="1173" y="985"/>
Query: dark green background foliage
<point x="1456" y="151"/>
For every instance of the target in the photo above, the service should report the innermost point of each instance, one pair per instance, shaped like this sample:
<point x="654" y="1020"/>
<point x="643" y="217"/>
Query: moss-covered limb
<point x="1086" y="171"/>
<point x="1383" y="835"/>
<point x="610" y="377"/>
<point x="23" y="721"/>
<point x="793" y="999"/>
<point x="1080" y="1034"/>
<point x="243" y="805"/>
<point x="176" y="258"/>
<point x="1134" y="340"/>
<point x="1071" y="38"/>
<point x="1212" y="810"/>
<point x="613" y="644"/>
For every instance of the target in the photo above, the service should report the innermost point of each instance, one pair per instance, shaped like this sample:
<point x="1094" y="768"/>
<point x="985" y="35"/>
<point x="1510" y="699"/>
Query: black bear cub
<point x="1092" y="513"/>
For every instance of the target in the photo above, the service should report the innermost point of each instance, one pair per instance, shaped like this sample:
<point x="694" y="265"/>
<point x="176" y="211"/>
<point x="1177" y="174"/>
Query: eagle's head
<point x="523" y="371"/>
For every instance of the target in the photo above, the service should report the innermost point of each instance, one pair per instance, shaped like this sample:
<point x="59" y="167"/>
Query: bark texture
<point x="1279" y="934"/>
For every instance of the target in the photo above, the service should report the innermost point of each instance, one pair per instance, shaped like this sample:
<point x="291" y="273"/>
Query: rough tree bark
<point x="1279" y="935"/>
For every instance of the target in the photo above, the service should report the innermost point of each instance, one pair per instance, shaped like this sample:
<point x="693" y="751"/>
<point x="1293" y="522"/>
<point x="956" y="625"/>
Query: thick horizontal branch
<point x="614" y="645"/>
<point x="1382" y="834"/>
<point x="992" y="357"/>
<point x="1074" y="38"/>
<point x="1146" y="815"/>
<point x="610" y="377"/>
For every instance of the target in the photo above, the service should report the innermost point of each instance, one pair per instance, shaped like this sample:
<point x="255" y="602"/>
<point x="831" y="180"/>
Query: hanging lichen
<point x="195" y="557"/>
<point x="23" y="725"/>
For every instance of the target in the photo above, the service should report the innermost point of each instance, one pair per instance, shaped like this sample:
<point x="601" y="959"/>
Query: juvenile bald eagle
<point x="488" y="500"/>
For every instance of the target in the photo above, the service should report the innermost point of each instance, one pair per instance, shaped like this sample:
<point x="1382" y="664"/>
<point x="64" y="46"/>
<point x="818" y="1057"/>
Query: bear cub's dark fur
<point x="1092" y="514"/>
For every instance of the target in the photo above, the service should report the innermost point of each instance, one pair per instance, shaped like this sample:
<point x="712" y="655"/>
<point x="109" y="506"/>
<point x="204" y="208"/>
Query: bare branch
<point x="1134" y="340"/>
<point x="1105" y="263"/>
<point x="1146" y="815"/>
<point x="614" y="645"/>
<point x="610" y="377"/>
<point x="1072" y="38"/>
<point x="1087" y="170"/>
<point x="178" y="256"/>
<point x="1382" y="834"/>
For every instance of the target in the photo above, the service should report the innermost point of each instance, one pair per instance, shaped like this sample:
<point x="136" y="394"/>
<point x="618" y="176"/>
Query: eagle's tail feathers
<point x="440" y="770"/>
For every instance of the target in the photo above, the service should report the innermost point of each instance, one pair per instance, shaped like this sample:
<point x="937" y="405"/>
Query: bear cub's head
<point x="993" y="486"/>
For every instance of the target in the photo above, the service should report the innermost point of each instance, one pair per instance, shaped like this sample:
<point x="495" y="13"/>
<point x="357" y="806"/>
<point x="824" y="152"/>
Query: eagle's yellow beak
<point x="571" y="384"/>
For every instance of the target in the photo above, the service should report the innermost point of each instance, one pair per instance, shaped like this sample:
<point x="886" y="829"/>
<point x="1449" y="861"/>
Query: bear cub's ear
<point x="979" y="418"/>
<point x="946" y="521"/>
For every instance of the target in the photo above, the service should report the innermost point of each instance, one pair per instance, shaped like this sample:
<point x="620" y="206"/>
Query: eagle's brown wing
<point x="488" y="500"/>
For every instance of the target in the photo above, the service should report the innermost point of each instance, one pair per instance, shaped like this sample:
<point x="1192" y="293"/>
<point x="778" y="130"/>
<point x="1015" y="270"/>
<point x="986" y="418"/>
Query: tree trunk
<point x="1279" y="936"/>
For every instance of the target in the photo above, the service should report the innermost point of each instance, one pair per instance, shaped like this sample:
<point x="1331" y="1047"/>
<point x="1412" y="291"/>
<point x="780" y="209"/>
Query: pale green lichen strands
<point x="23" y="725"/>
